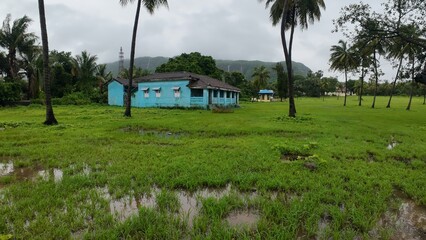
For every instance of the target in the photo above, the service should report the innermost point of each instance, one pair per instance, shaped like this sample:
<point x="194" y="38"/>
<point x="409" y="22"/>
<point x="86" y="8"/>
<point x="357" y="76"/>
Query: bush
<point x="97" y="97"/>
<point x="222" y="108"/>
<point x="75" y="98"/>
<point x="9" y="92"/>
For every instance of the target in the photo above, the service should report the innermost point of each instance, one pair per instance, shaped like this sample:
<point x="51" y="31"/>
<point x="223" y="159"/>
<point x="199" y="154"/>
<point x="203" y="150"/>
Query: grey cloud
<point x="224" y="29"/>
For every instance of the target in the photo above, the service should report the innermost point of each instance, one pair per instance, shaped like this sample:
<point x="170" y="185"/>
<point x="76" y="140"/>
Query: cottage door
<point x="210" y="96"/>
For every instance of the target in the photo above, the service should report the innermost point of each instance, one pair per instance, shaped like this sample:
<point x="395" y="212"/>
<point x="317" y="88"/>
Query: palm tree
<point x="150" y="5"/>
<point x="282" y="81"/>
<point x="15" y="38"/>
<point x="102" y="76"/>
<point x="30" y="59"/>
<point x="342" y="59"/>
<point x="292" y="13"/>
<point x="412" y="51"/>
<point x="261" y="77"/>
<point x="397" y="50"/>
<point x="84" y="68"/>
<point x="50" y="117"/>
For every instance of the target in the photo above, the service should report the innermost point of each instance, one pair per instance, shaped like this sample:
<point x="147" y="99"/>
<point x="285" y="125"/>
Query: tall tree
<point x="372" y="46"/>
<point x="282" y="81"/>
<point x="137" y="72"/>
<point x="236" y="79"/>
<point x="3" y="63"/>
<point x="342" y="59"/>
<point x="14" y="38"/>
<point x="50" y="117"/>
<point x="150" y="5"/>
<point x="399" y="49"/>
<point x="261" y="77"/>
<point x="85" y="68"/>
<point x="358" y="22"/>
<point x="62" y="78"/>
<point x="102" y="76"/>
<point x="192" y="62"/>
<point x="30" y="58"/>
<point x="292" y="13"/>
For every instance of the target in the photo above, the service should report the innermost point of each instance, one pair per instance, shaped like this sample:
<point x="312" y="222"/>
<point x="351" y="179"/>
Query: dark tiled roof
<point x="196" y="80"/>
<point x="125" y="82"/>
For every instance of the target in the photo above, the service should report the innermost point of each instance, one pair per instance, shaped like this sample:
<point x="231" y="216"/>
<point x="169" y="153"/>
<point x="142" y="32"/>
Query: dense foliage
<point x="397" y="32"/>
<point x="9" y="92"/>
<point x="192" y="62"/>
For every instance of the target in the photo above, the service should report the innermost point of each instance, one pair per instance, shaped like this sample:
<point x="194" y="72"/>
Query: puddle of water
<point x="87" y="170"/>
<point x="214" y="192"/>
<point x="188" y="207"/>
<point x="27" y="173"/>
<point x="127" y="206"/>
<point x="56" y="173"/>
<point x="6" y="168"/>
<point x="160" y="134"/>
<point x="243" y="219"/>
<point x="392" y="145"/>
<point x="124" y="207"/>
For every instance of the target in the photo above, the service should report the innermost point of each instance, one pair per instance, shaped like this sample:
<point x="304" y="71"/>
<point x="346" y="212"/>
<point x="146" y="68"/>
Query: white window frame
<point x="176" y="91"/>
<point x="157" y="92"/>
<point x="145" y="92"/>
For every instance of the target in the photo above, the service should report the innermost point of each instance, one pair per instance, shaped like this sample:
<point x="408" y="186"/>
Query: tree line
<point x="397" y="34"/>
<point x="21" y="65"/>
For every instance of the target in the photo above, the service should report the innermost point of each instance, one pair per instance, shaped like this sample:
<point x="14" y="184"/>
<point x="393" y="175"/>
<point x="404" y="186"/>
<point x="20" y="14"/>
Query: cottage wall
<point x="115" y="94"/>
<point x="167" y="96"/>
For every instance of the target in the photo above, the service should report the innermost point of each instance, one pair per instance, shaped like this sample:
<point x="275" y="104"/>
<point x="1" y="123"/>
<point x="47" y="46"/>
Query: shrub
<point x="75" y="98"/>
<point x="9" y="92"/>
<point x="223" y="108"/>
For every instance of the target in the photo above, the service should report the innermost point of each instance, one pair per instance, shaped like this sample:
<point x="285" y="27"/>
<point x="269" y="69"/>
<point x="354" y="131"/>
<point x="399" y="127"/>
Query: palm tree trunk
<point x="50" y="117"/>
<point x="12" y="64"/>
<point x="376" y="74"/>
<point x="127" y="112"/>
<point x="346" y="86"/>
<point x="287" y="55"/>
<point x="413" y="83"/>
<point x="394" y="83"/>
<point x="32" y="80"/>
<point x="362" y="86"/>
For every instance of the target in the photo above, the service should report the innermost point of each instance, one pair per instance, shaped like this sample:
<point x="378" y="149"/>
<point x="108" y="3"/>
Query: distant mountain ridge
<point x="246" y="67"/>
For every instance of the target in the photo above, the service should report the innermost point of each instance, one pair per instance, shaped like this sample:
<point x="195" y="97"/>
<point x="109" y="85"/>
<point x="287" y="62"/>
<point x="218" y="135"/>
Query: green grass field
<point x="333" y="172"/>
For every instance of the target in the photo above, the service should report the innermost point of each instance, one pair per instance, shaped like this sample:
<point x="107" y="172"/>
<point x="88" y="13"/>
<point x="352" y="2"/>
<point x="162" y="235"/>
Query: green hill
<point x="246" y="67"/>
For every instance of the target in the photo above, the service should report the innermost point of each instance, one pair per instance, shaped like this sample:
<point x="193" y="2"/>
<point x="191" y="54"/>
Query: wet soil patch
<point x="154" y="133"/>
<point x="405" y="160"/>
<point x="371" y="156"/>
<point x="407" y="222"/>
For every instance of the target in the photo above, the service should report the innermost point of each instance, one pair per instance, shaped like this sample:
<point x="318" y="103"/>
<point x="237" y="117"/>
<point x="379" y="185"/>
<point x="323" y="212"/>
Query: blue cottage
<point x="176" y="89"/>
<point x="117" y="88"/>
<point x="266" y="95"/>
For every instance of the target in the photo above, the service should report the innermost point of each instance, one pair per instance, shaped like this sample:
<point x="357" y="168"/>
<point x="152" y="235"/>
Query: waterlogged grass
<point x="339" y="177"/>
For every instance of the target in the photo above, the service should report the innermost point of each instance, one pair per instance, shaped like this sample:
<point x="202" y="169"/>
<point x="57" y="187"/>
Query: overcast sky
<point x="223" y="29"/>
